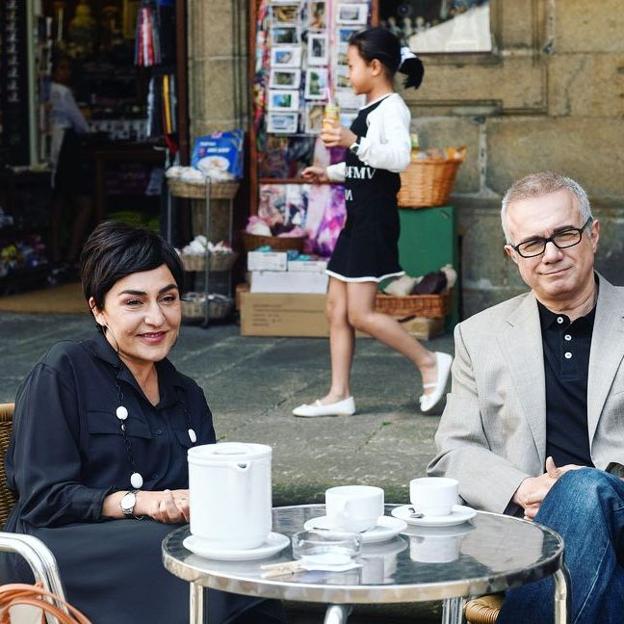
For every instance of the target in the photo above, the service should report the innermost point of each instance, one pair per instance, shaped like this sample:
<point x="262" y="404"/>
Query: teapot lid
<point x="229" y="451"/>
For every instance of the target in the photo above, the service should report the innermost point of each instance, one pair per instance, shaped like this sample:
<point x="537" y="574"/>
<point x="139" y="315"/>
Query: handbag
<point x="13" y="594"/>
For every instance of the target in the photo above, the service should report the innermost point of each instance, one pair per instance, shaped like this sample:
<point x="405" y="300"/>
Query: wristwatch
<point x="354" y="148"/>
<point x="128" y="502"/>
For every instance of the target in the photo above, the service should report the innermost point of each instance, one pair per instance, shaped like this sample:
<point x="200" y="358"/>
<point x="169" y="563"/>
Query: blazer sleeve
<point x="486" y="481"/>
<point x="44" y="460"/>
<point x="387" y="144"/>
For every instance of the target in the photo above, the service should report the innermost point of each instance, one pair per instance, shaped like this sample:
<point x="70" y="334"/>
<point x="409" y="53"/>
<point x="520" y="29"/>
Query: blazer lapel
<point x="522" y="345"/>
<point x="606" y="352"/>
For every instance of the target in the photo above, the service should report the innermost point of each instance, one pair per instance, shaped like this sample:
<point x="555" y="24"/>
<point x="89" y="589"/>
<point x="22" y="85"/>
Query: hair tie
<point x="406" y="54"/>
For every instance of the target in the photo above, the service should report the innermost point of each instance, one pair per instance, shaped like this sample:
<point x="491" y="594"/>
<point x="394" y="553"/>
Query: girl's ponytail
<point x="412" y="67"/>
<point x="383" y="45"/>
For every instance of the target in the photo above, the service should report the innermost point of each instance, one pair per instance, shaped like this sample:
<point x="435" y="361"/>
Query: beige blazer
<point x="493" y="431"/>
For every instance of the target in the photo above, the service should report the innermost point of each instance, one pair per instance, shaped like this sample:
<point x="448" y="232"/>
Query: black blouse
<point x="68" y="453"/>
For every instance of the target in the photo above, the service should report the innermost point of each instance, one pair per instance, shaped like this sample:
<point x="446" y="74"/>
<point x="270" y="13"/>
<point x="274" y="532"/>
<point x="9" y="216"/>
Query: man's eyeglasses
<point x="562" y="240"/>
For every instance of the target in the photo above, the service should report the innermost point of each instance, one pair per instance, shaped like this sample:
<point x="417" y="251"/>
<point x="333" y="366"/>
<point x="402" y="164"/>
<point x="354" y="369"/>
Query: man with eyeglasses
<point x="534" y="423"/>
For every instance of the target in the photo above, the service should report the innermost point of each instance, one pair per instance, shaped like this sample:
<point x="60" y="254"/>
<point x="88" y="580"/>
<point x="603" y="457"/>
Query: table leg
<point x="453" y="611"/>
<point x="337" y="614"/>
<point x="196" y="604"/>
<point x="561" y="596"/>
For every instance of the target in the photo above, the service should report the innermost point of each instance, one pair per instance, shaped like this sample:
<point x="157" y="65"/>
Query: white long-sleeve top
<point x="64" y="114"/>
<point x="387" y="143"/>
<point x="64" y="111"/>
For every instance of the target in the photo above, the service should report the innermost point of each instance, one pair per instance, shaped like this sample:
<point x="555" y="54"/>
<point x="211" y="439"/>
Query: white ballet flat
<point x="429" y="401"/>
<point x="346" y="407"/>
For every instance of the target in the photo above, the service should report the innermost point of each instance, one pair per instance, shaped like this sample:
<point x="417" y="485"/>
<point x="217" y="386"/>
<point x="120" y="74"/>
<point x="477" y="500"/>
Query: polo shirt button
<point x="567" y="337"/>
<point x="155" y="475"/>
<point x="567" y="355"/>
<point x="158" y="431"/>
<point x="560" y="320"/>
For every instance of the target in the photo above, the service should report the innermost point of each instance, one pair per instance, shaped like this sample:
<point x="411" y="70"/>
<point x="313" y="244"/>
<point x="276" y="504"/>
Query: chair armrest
<point x="484" y="610"/>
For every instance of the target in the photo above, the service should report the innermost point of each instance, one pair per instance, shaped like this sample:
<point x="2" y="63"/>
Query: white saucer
<point x="459" y="514"/>
<point x="273" y="544"/>
<point x="386" y="528"/>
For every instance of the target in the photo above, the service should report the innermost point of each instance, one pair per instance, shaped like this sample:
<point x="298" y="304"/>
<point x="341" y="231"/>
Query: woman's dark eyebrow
<point x="142" y="293"/>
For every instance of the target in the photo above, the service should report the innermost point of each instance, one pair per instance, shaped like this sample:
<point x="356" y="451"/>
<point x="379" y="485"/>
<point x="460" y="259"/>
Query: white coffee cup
<point x="354" y="507"/>
<point x="434" y="496"/>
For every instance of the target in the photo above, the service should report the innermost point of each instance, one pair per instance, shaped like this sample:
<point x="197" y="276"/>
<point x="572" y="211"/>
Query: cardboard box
<point x="266" y="314"/>
<point x="303" y="315"/>
<point x="287" y="282"/>
<point x="312" y="266"/>
<point x="267" y="261"/>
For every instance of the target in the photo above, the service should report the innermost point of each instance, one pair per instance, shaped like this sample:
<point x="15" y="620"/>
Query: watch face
<point x="128" y="502"/>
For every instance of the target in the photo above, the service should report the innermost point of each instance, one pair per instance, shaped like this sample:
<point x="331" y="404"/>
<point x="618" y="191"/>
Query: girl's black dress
<point x="67" y="454"/>
<point x="367" y="247"/>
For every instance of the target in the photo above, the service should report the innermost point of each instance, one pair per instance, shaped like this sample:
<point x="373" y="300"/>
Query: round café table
<point x="490" y="553"/>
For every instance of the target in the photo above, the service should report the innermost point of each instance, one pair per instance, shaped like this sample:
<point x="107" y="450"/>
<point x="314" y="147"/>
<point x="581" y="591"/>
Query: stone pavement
<point x="253" y="383"/>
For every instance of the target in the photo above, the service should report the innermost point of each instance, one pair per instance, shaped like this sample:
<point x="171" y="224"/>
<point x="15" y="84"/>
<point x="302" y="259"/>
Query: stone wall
<point x="550" y="96"/>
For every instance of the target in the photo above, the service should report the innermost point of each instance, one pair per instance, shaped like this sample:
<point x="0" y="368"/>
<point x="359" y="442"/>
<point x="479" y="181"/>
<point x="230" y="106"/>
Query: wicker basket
<point x="218" y="261"/>
<point x="277" y="243"/>
<point x="190" y="190"/>
<point x="429" y="182"/>
<point x="193" y="306"/>
<point x="428" y="306"/>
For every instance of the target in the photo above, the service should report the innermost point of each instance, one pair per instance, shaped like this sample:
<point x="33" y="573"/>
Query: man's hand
<point x="338" y="136"/>
<point x="533" y="490"/>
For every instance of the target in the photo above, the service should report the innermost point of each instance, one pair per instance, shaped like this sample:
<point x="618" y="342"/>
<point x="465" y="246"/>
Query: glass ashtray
<point x="333" y="548"/>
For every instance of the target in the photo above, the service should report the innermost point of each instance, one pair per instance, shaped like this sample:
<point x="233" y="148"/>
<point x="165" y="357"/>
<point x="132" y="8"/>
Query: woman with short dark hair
<point x="100" y="437"/>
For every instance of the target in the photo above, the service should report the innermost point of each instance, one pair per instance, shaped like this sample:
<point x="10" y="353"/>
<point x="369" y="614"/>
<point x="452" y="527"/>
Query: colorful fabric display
<point x="147" y="43"/>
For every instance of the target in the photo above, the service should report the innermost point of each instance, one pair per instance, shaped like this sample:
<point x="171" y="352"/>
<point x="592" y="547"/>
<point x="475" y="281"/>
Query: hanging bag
<point x="14" y="594"/>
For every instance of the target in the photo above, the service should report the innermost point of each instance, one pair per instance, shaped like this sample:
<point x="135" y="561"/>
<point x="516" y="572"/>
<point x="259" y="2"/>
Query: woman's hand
<point x="337" y="136"/>
<point x="168" y="506"/>
<point x="315" y="174"/>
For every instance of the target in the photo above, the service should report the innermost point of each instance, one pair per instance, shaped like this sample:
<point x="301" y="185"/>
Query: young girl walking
<point x="366" y="252"/>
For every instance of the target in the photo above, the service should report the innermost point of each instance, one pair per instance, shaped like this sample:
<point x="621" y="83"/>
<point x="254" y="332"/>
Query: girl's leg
<point x="341" y="342"/>
<point x="361" y="315"/>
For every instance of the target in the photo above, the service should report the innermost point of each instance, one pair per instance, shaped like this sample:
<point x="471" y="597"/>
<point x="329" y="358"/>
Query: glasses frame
<point x="551" y="239"/>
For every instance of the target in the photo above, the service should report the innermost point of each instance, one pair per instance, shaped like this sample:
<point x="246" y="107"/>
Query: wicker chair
<point x="483" y="610"/>
<point x="41" y="561"/>
<point x="7" y="497"/>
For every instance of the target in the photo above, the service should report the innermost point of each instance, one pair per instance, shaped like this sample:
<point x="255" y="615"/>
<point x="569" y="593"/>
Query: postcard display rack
<point x="298" y="65"/>
<point x="206" y="305"/>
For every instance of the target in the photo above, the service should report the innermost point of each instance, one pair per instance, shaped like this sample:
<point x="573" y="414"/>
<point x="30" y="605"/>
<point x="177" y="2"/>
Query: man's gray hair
<point x="543" y="183"/>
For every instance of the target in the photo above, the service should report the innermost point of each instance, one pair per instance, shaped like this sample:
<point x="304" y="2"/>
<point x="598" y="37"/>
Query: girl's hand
<point x="338" y="136"/>
<point x="315" y="174"/>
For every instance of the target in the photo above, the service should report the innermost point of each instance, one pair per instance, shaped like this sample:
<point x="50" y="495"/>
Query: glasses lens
<point x="532" y="247"/>
<point x="567" y="238"/>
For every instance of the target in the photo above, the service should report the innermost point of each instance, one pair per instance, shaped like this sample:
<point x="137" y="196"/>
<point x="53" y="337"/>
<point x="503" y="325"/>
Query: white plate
<point x="459" y="514"/>
<point x="273" y="544"/>
<point x="386" y="528"/>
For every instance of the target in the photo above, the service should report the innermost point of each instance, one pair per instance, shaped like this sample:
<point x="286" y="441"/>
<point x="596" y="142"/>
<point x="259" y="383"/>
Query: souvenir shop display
<point x="299" y="74"/>
<point x="215" y="171"/>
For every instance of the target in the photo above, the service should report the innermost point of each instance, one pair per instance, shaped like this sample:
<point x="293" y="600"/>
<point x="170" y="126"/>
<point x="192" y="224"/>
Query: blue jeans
<point x="586" y="507"/>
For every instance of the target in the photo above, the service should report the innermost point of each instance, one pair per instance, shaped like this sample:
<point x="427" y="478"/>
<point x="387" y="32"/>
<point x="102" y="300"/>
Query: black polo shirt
<point x="566" y="362"/>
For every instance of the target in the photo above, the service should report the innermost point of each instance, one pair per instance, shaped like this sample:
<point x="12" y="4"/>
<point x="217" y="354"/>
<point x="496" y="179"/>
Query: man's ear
<point x="511" y="252"/>
<point x="595" y="234"/>
<point x="98" y="315"/>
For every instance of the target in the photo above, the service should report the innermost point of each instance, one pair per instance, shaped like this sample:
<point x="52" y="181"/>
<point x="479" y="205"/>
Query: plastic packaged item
<point x="331" y="116"/>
